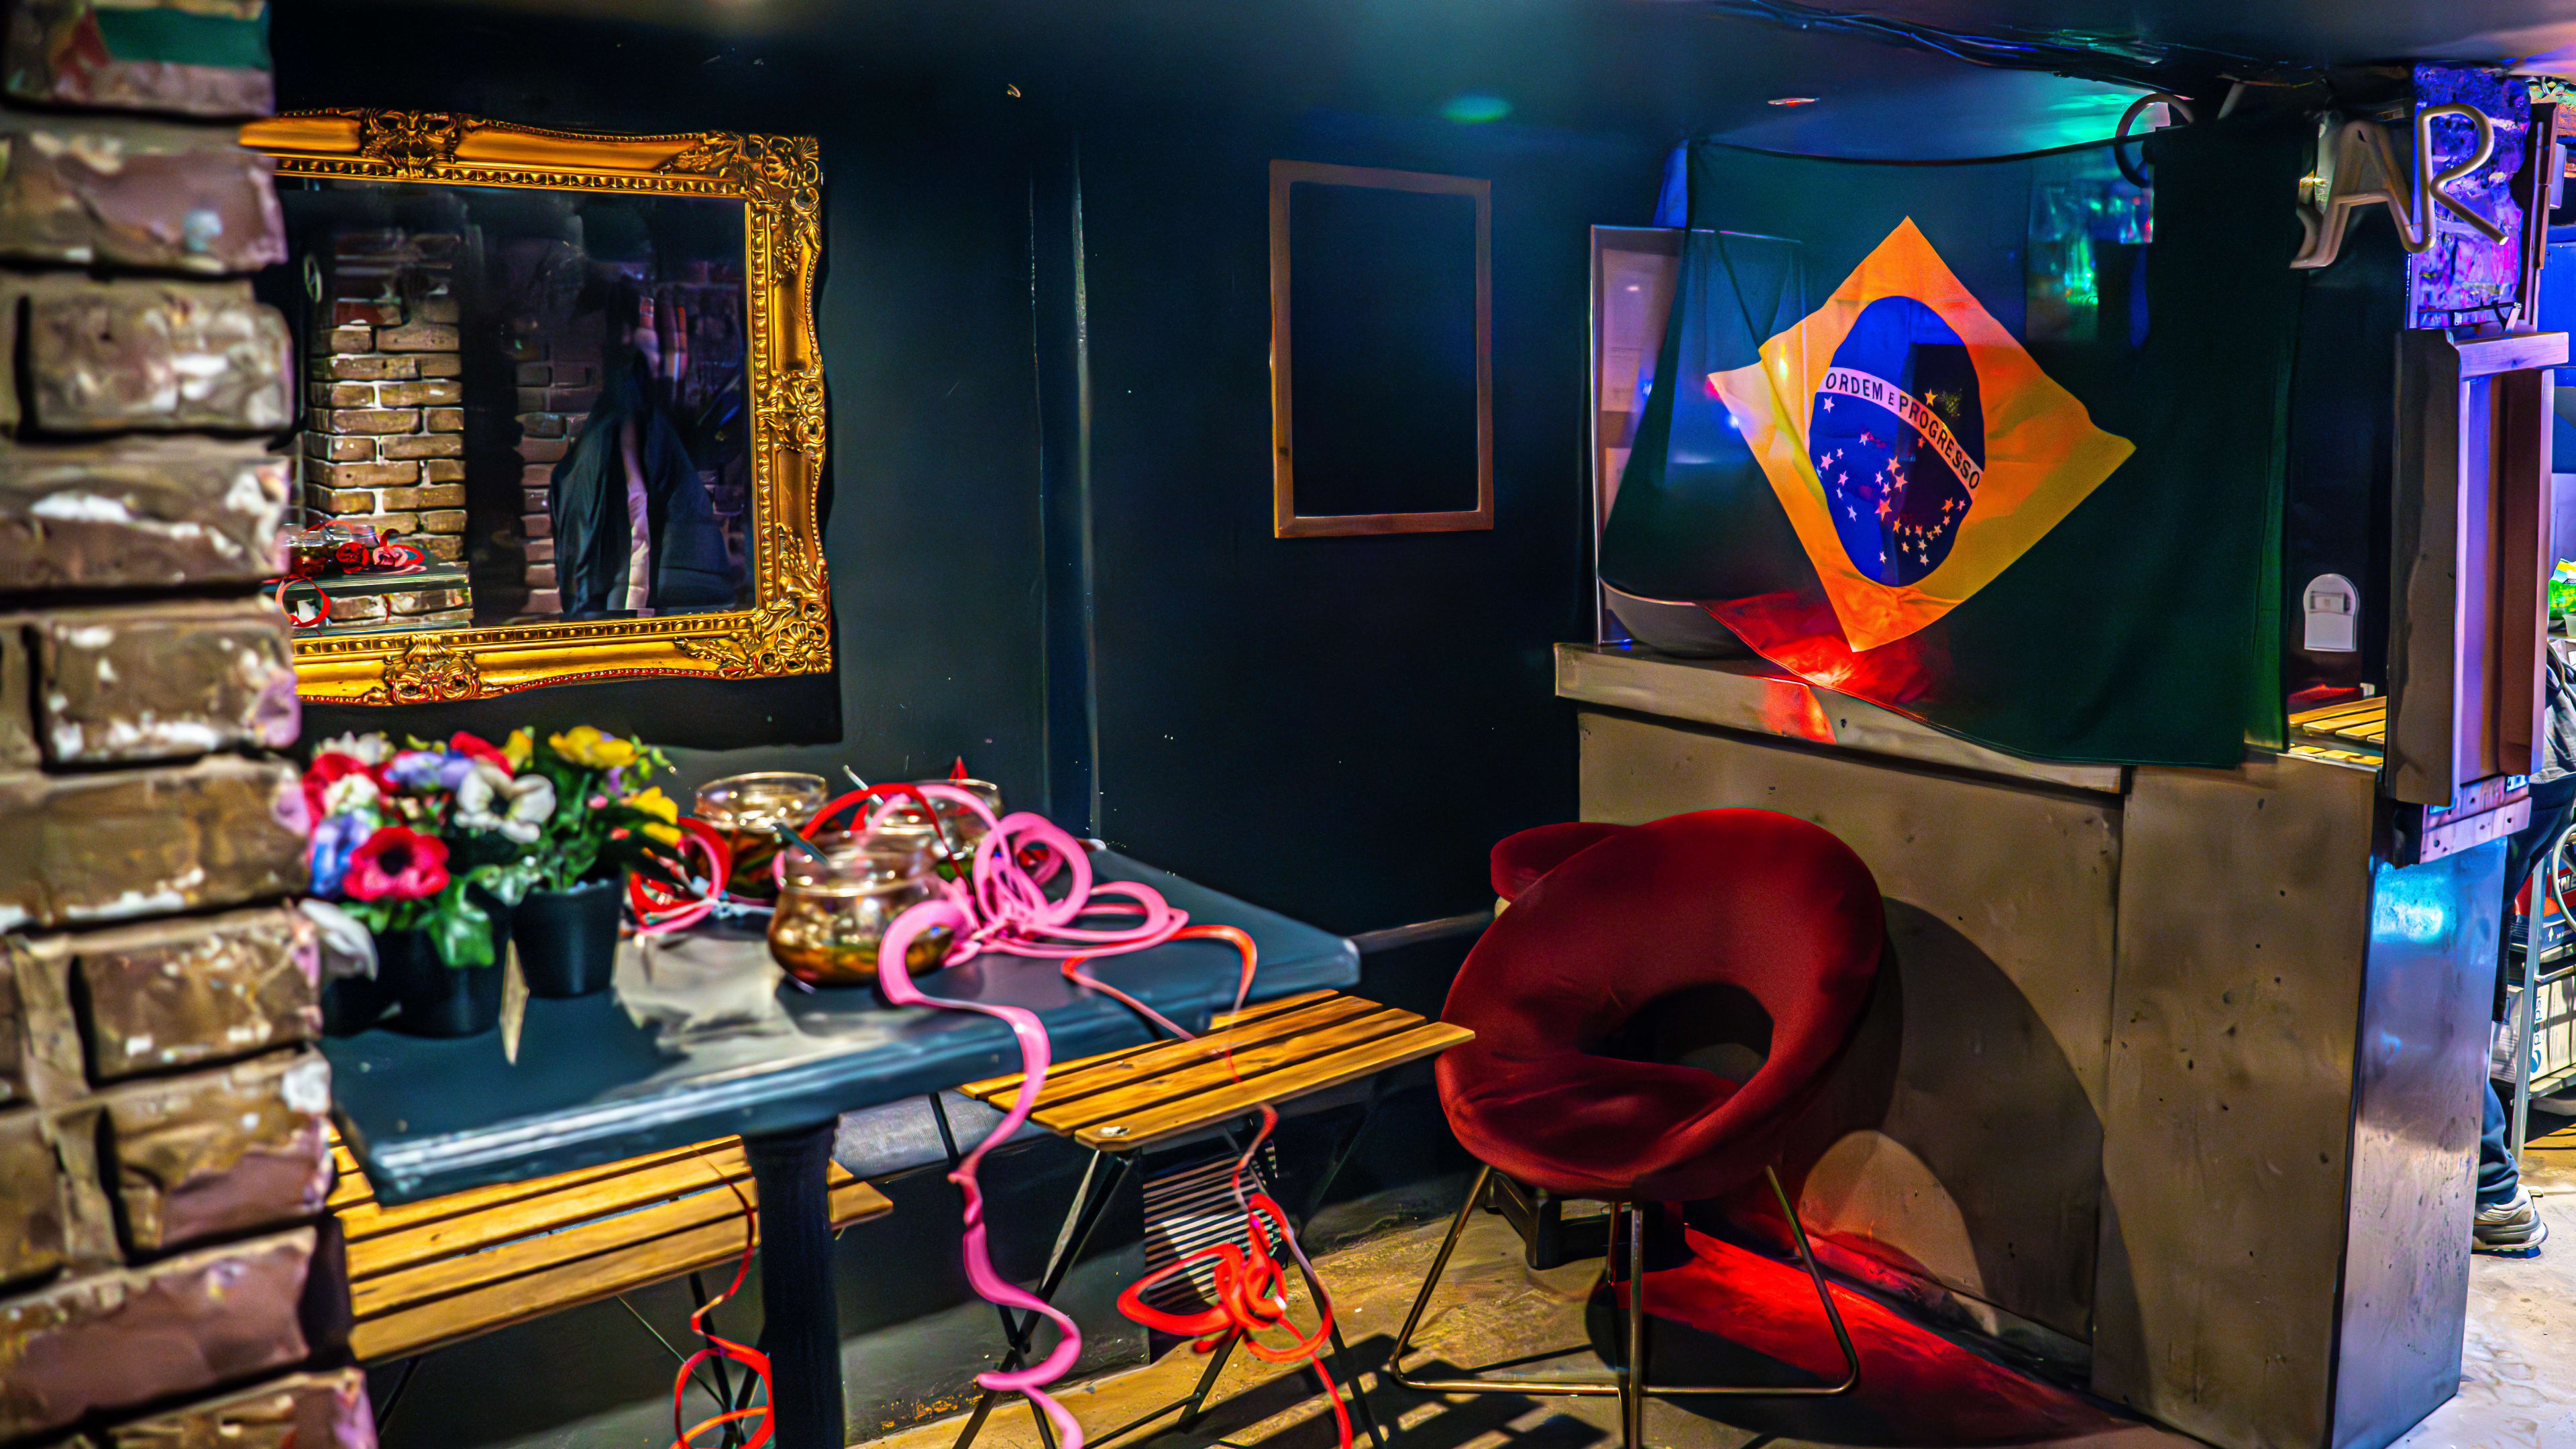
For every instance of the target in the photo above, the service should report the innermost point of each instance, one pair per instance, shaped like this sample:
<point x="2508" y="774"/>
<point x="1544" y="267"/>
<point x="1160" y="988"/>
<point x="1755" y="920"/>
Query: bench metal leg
<point x="1349" y="1143"/>
<point x="801" y="1330"/>
<point x="1190" y="1408"/>
<point x="385" y="1412"/>
<point x="1082" y="1216"/>
<point x="1346" y="1380"/>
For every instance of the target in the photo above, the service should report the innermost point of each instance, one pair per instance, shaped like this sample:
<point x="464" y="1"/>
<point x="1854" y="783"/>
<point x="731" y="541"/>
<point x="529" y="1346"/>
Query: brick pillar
<point x="384" y="440"/>
<point x="167" y="1274"/>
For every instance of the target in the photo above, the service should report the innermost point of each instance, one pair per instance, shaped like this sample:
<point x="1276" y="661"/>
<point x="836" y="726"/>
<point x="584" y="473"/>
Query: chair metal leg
<point x="1632" y="1375"/>
<point x="1190" y="1408"/>
<point x="1485" y="1384"/>
<point x="1633" y="1385"/>
<point x="1824" y="1295"/>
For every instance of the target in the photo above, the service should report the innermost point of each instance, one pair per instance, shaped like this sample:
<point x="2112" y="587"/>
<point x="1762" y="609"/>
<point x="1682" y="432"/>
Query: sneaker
<point x="2513" y="1226"/>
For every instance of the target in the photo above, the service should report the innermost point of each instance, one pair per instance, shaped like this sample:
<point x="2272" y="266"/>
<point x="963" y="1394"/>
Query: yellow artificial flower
<point x="518" y="747"/>
<point x="661" y="807"/>
<point x="587" y="745"/>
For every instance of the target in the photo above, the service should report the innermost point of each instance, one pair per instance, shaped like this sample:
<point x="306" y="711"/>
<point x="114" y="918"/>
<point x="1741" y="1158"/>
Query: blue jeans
<point x="2497" y="1174"/>
<point x="2551" y="805"/>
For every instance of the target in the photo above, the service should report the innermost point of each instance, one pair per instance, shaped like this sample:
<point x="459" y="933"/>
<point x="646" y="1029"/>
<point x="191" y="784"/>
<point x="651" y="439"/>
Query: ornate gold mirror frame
<point x="779" y="180"/>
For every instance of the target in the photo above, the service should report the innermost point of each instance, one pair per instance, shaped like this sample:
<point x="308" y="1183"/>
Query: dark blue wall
<point x="1334" y="727"/>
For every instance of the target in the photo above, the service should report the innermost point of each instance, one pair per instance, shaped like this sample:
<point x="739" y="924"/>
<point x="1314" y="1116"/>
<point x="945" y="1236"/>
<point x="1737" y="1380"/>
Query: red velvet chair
<point x="1605" y="922"/>
<point x="1521" y="859"/>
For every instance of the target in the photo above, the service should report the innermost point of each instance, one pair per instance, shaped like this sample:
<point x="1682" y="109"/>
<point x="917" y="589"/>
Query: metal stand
<point x="1631" y="1385"/>
<point x="801" y="1325"/>
<point x="1081" y="1217"/>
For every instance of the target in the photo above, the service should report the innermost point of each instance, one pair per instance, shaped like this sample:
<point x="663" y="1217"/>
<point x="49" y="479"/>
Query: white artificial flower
<point x="368" y="748"/>
<point x="532" y="804"/>
<point x="347" y="947"/>
<point x="488" y="799"/>
<point x="475" y="794"/>
<point x="348" y="794"/>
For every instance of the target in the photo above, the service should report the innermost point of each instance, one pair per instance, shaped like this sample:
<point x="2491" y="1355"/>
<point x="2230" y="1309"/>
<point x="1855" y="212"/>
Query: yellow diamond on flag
<point x="1916" y="447"/>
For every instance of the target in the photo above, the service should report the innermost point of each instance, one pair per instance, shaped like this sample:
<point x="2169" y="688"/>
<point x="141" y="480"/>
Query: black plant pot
<point x="434" y="998"/>
<point x="351" y="1004"/>
<point x="568" y="939"/>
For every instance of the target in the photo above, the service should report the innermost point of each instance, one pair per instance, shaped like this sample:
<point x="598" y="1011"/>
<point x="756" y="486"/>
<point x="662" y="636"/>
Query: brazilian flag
<point x="1863" y="459"/>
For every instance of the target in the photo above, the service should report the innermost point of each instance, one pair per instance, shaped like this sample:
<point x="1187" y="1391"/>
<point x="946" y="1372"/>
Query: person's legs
<point x="2499" y="1178"/>
<point x="2506" y="1221"/>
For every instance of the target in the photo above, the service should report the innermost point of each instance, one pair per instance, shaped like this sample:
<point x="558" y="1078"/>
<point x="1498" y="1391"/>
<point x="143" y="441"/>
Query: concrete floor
<point x="1493" y="1309"/>
<point x="2517" y="1389"/>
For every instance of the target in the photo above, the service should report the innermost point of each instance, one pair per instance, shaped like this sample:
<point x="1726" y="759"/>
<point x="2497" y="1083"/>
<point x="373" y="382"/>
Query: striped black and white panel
<point x="1188" y="1206"/>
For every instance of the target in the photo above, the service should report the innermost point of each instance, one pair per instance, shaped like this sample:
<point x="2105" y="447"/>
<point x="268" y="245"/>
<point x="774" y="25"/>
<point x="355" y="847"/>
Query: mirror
<point x="564" y="411"/>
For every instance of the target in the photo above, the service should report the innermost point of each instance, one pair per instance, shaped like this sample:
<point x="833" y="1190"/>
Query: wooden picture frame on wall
<point x="784" y="626"/>
<point x="1286" y="518"/>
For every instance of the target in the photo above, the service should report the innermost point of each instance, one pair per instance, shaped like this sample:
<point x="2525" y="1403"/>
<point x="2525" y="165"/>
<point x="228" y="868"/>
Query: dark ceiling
<point x="1912" y="79"/>
<point x="2305" y="32"/>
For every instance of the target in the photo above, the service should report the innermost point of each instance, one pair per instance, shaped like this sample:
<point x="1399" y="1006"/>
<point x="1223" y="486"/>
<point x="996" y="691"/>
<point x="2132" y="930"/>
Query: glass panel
<point x="522" y="405"/>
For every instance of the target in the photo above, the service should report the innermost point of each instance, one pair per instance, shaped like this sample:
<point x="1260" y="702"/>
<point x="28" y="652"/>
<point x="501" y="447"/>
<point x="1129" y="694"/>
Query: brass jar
<point x="743" y="808"/>
<point x="834" y="912"/>
<point x="960" y="829"/>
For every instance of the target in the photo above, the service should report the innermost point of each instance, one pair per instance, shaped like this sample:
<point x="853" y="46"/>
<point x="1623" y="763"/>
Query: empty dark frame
<point x="1381" y="371"/>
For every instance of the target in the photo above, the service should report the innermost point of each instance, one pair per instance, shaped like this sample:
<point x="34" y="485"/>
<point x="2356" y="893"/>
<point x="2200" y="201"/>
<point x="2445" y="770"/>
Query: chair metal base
<point x="1631" y="1385"/>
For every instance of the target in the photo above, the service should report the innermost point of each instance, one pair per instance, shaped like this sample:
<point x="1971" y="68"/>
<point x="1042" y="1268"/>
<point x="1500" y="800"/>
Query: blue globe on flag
<point x="1885" y="417"/>
<point x="1897" y="437"/>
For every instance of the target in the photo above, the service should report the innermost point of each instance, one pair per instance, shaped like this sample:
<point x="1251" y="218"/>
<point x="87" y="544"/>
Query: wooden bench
<point x="1119" y="1103"/>
<point x="1280" y="1050"/>
<point x="2353" y="732"/>
<point x="436" y="1272"/>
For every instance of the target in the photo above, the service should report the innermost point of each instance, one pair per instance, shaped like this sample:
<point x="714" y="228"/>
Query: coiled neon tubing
<point x="998" y="903"/>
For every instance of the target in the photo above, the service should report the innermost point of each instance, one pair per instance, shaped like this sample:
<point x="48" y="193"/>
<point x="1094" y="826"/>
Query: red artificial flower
<point x="473" y="747"/>
<point x="399" y="863"/>
<point x="327" y="769"/>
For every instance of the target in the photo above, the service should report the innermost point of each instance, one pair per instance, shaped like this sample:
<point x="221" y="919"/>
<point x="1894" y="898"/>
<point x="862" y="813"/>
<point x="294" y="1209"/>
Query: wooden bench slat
<point x="376" y="1294"/>
<point x="398" y="1333"/>
<point x="483" y="1199"/>
<point x="1233" y="1099"/>
<point x="2375" y="707"/>
<point x="997" y="1091"/>
<point x="349" y="1187"/>
<point x="1216" y="1070"/>
<point x="449" y="1235"/>
<point x="1090" y="1074"/>
<point x="1146" y="1063"/>
<point x="1250" y="1014"/>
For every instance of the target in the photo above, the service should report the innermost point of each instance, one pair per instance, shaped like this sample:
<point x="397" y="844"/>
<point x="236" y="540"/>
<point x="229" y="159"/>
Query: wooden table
<point x="425" y="1118"/>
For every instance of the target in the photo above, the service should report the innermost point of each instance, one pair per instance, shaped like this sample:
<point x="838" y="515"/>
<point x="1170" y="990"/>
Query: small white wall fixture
<point x="2333" y="610"/>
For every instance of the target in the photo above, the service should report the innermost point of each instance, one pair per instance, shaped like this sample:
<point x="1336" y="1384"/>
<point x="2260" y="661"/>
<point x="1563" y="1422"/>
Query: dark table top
<point x="428" y="1117"/>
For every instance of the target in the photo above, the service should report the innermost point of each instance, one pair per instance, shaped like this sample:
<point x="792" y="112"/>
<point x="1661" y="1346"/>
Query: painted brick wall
<point x="167" y="1274"/>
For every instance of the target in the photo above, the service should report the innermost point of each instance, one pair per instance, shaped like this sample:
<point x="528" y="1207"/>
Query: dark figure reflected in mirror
<point x="635" y="531"/>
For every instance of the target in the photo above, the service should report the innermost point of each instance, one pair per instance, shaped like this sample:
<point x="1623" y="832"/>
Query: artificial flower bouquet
<point x="403" y="838"/>
<point x="602" y="824"/>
